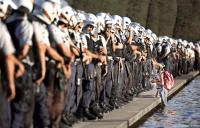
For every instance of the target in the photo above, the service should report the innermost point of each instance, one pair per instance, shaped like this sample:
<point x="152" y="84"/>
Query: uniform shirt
<point x="23" y="32"/>
<point x="6" y="46"/>
<point x="41" y="33"/>
<point x="78" y="38"/>
<point x="58" y="36"/>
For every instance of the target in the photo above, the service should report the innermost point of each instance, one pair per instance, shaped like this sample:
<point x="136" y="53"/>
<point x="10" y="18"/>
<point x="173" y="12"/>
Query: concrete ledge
<point x="132" y="112"/>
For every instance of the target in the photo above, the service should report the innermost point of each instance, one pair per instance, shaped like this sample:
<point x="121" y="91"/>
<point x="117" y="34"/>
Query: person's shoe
<point x="95" y="110"/>
<point x="129" y="98"/>
<point x="114" y="104"/>
<point x="123" y="99"/>
<point x="72" y="118"/>
<point x="130" y="93"/>
<point x="89" y="115"/>
<point x="110" y="107"/>
<point x="104" y="107"/>
<point x="65" y="120"/>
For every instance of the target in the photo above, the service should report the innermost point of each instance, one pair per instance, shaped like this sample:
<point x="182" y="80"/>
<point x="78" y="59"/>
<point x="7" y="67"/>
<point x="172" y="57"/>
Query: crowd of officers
<point x="59" y="65"/>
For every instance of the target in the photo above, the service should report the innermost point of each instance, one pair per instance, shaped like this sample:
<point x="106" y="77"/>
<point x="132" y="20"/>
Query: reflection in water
<point x="182" y="111"/>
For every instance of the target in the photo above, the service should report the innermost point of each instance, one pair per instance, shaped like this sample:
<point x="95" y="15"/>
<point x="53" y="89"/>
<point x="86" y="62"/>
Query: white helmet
<point x="154" y="37"/>
<point x="100" y="21"/>
<point x="175" y="42"/>
<point x="141" y="30"/>
<point x="101" y="14"/>
<point x="25" y="3"/>
<point x="171" y="41"/>
<point x="66" y="14"/>
<point x="91" y="19"/>
<point x="4" y="6"/>
<point x="126" y="22"/>
<point x="108" y="17"/>
<point x="191" y="45"/>
<point x="75" y="19"/>
<point x="135" y="27"/>
<point x="184" y="43"/>
<point x="117" y="20"/>
<point x="148" y="31"/>
<point x="47" y="11"/>
<point x="179" y="40"/>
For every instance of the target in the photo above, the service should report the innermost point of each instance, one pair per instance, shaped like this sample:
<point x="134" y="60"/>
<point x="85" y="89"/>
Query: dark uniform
<point x="92" y="82"/>
<point x="119" y="68"/>
<point x="106" y="96"/>
<point x="74" y="90"/>
<point x="95" y="46"/>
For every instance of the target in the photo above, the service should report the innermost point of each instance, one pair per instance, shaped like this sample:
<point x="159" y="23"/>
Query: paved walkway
<point x="136" y="109"/>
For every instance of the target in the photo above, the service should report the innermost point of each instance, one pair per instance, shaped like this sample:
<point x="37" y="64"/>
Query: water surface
<point x="182" y="111"/>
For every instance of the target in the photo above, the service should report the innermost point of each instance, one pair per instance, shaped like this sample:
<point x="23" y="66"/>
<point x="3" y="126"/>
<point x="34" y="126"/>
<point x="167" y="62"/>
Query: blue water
<point x="182" y="111"/>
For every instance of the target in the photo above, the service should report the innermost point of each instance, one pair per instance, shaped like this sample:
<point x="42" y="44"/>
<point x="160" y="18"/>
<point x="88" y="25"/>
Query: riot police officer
<point x="21" y="31"/>
<point x="44" y="13"/>
<point x="9" y="61"/>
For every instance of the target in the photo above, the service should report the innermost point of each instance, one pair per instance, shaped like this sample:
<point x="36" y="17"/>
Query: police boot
<point x="97" y="111"/>
<point x="129" y="98"/>
<point x="130" y="92"/>
<point x="114" y="104"/>
<point x="72" y="118"/>
<point x="89" y="115"/>
<point x="104" y="107"/>
<point x="110" y="107"/>
<point x="123" y="100"/>
<point x="65" y="121"/>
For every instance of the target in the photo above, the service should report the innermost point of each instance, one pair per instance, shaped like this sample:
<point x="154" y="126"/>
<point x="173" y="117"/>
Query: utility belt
<point x="77" y="61"/>
<point x="96" y="62"/>
<point x="118" y="59"/>
<point x="110" y="58"/>
<point x="28" y="63"/>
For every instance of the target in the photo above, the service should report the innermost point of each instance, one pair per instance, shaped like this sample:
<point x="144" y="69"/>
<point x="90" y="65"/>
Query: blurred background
<point x="174" y="18"/>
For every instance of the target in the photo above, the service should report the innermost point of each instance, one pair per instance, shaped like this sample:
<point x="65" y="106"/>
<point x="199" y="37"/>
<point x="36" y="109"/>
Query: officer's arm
<point x="75" y="50"/>
<point x="64" y="50"/>
<point x="10" y="63"/>
<point x="41" y="48"/>
<point x="130" y="38"/>
<point x="10" y="69"/>
<point x="137" y="53"/>
<point x="23" y="51"/>
<point x="103" y="51"/>
<point x="118" y="45"/>
<point x="89" y="53"/>
<point x="54" y="55"/>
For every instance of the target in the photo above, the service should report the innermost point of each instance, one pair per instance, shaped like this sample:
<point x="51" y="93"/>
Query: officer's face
<point x="108" y="28"/>
<point x="79" y="26"/>
<point x="89" y="28"/>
